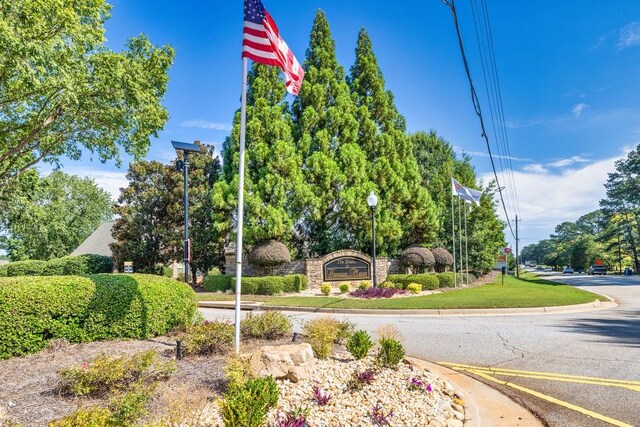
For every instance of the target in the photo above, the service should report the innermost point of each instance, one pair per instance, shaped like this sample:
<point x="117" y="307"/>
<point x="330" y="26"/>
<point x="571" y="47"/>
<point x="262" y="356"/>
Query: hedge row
<point x="429" y="281"/>
<point x="34" y="310"/>
<point x="65" y="266"/>
<point x="265" y="285"/>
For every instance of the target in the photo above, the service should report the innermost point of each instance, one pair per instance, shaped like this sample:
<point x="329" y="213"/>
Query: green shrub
<point x="321" y="333"/>
<point x="391" y="352"/>
<point x="269" y="325"/>
<point x="3" y="273"/>
<point x="364" y="285"/>
<point x="34" y="310"/>
<point x="95" y="416"/>
<point x="359" y="344"/>
<point x="345" y="330"/>
<point x="344" y="288"/>
<point x="113" y="374"/>
<point x="414" y="288"/>
<point x="167" y="272"/>
<point x="428" y="281"/>
<point x="264" y="285"/>
<point x="209" y="337"/>
<point x="325" y="288"/>
<point x="446" y="279"/>
<point x="247" y="405"/>
<point x="26" y="268"/>
<point x="96" y="264"/>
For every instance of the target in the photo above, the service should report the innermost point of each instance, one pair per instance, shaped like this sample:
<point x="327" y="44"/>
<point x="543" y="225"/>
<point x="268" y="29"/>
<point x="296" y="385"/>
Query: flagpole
<point x="460" y="235"/>
<point x="453" y="242"/>
<point x="466" y="241"/>
<point x="243" y="121"/>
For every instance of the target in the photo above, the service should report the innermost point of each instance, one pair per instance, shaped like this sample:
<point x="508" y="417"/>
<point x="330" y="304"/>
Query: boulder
<point x="290" y="361"/>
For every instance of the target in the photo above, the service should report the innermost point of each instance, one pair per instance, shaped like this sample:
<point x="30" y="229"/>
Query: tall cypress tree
<point x="275" y="189"/>
<point x="334" y="164"/>
<point x="407" y="213"/>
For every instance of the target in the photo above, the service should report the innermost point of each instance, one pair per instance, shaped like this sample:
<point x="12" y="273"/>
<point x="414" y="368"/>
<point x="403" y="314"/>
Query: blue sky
<point x="568" y="77"/>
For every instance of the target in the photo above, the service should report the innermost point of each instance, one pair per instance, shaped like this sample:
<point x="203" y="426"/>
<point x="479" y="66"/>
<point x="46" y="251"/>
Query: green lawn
<point x="529" y="291"/>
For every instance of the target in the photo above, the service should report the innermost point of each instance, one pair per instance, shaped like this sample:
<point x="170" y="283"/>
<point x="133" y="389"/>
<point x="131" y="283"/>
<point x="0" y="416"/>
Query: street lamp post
<point x="183" y="166"/>
<point x="372" y="201"/>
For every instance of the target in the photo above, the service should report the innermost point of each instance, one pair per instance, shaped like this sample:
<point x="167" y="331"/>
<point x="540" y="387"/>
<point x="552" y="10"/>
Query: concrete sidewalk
<point x="484" y="406"/>
<point x="577" y="308"/>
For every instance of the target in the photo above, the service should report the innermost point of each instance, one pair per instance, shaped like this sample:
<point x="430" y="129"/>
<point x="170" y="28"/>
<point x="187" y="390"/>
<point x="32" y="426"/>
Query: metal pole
<point x="619" y="254"/>
<point x="517" y="241"/>
<point x="243" y="121"/>
<point x="373" y="244"/>
<point x="466" y="241"/>
<point x="453" y="242"/>
<point x="460" y="234"/>
<point x="186" y="217"/>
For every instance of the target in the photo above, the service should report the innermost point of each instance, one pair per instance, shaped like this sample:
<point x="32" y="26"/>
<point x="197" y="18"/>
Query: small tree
<point x="418" y="258"/>
<point x="443" y="259"/>
<point x="268" y="256"/>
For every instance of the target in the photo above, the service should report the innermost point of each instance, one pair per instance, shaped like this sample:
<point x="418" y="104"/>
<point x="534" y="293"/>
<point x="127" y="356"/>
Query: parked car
<point x="547" y="269"/>
<point x="598" y="269"/>
<point x="567" y="270"/>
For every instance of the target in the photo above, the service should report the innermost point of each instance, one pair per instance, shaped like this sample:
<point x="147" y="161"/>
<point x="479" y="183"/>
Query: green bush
<point x="364" y="285"/>
<point x="247" y="405"/>
<point x="26" y="268"/>
<point x="263" y="285"/>
<point x="344" y="288"/>
<point x="325" y="288"/>
<point x="68" y="265"/>
<point x="359" y="344"/>
<point x="113" y="374"/>
<point x="391" y="352"/>
<point x="34" y="310"/>
<point x="321" y="333"/>
<point x="3" y="273"/>
<point x="209" y="337"/>
<point x="414" y="288"/>
<point x="345" y="330"/>
<point x="428" y="281"/>
<point x="269" y="325"/>
<point x="446" y="279"/>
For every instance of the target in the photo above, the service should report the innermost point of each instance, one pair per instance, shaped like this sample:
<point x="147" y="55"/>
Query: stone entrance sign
<point x="346" y="268"/>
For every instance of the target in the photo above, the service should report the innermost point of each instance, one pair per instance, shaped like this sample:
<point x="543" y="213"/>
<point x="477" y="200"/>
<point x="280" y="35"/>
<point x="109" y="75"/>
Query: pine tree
<point x="275" y="190"/>
<point x="407" y="213"/>
<point x="336" y="215"/>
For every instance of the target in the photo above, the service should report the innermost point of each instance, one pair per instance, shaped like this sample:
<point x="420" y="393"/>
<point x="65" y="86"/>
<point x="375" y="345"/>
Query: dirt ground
<point x="28" y="384"/>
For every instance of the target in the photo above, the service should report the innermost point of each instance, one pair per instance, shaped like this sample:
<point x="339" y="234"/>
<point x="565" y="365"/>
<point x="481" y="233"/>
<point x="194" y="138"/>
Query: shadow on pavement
<point x="624" y="329"/>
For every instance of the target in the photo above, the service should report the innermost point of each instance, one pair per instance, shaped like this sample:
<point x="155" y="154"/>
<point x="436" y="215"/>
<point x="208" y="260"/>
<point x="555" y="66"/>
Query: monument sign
<point x="346" y="268"/>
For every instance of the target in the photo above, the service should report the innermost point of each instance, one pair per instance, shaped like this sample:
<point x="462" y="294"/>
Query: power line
<point x="476" y="107"/>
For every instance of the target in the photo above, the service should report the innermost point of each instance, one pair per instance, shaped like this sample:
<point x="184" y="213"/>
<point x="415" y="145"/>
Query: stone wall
<point x="313" y="267"/>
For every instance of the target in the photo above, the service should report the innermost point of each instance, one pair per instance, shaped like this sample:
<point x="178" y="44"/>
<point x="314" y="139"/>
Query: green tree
<point x="49" y="217"/>
<point x="62" y="91"/>
<point x="275" y="189"/>
<point x="334" y="164"/>
<point x="145" y="232"/>
<point x="407" y="213"/>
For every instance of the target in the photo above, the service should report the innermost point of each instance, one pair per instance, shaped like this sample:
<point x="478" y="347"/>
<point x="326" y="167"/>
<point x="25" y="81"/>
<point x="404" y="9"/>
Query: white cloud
<point x="536" y="168"/>
<point x="629" y="36"/>
<point x="547" y="199"/>
<point x="204" y="124"/>
<point x="562" y="163"/>
<point x="111" y="181"/>
<point x="578" y="109"/>
<point x="458" y="149"/>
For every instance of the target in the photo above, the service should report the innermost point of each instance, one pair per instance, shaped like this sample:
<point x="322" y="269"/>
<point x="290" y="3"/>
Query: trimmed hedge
<point x="34" y="310"/>
<point x="65" y="266"/>
<point x="428" y="281"/>
<point x="446" y="279"/>
<point x="264" y="285"/>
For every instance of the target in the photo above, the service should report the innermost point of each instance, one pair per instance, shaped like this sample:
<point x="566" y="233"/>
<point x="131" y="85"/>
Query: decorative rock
<point x="443" y="405"/>
<point x="434" y="423"/>
<point x="454" y="423"/>
<point x="290" y="361"/>
<point x="457" y="407"/>
<point x="458" y="415"/>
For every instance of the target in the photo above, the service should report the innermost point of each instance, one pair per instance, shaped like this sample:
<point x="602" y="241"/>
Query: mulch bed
<point x="28" y="385"/>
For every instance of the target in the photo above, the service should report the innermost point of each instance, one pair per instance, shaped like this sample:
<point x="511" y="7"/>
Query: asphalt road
<point x="574" y="370"/>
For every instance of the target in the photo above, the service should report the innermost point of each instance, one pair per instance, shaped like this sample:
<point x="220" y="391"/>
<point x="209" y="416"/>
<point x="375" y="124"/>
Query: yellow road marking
<point x="551" y="375"/>
<point x="552" y="399"/>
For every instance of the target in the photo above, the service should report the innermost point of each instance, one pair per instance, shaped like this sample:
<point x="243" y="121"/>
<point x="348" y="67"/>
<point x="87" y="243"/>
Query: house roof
<point x="98" y="242"/>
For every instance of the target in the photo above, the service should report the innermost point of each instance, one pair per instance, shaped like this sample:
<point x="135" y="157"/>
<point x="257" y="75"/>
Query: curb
<point x="484" y="405"/>
<point x="576" y="308"/>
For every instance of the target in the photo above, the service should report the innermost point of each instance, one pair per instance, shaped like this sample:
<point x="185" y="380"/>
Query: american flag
<point x="262" y="43"/>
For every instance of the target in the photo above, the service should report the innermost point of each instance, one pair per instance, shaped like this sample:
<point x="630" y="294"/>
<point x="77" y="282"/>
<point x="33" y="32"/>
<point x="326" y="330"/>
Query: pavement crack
<point x="519" y="353"/>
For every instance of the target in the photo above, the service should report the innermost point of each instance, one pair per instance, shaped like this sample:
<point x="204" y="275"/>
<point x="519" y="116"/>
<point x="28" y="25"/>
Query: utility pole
<point x="517" y="263"/>
<point x="619" y="254"/>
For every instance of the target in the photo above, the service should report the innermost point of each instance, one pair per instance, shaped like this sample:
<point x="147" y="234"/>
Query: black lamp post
<point x="372" y="201"/>
<point x="183" y="166"/>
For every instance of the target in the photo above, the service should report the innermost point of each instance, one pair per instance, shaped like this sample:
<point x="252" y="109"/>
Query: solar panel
<point x="185" y="146"/>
